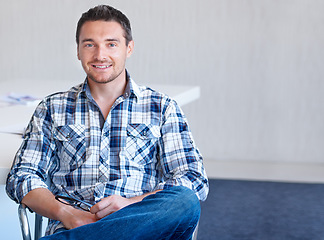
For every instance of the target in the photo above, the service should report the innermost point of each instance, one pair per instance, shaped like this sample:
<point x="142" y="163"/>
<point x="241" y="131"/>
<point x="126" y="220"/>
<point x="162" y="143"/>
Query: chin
<point x="100" y="80"/>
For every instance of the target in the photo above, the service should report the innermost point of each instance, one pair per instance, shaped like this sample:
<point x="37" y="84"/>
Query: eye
<point x="89" y="45"/>
<point x="112" y="45"/>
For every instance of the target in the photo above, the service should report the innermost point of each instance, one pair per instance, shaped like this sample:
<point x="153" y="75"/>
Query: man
<point x="122" y="148"/>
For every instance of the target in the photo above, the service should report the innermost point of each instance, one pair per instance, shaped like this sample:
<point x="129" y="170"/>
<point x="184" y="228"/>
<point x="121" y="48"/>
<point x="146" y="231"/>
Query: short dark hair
<point x="105" y="13"/>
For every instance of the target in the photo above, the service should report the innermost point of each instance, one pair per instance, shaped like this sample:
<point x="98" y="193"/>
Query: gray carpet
<point x="252" y="210"/>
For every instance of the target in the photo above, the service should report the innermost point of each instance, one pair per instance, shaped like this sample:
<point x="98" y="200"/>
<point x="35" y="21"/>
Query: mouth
<point x="101" y="66"/>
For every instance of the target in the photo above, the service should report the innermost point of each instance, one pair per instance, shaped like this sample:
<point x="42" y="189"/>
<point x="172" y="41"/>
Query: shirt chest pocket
<point x="71" y="145"/>
<point x="142" y="142"/>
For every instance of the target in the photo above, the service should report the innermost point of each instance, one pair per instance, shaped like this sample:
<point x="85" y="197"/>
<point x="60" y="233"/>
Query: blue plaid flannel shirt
<point x="145" y="144"/>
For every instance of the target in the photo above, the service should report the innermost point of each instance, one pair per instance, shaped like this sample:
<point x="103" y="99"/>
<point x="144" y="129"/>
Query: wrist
<point x="63" y="212"/>
<point x="141" y="197"/>
<point x="71" y="217"/>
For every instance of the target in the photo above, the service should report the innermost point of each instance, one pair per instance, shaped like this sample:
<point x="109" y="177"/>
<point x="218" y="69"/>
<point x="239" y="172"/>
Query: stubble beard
<point x="105" y="80"/>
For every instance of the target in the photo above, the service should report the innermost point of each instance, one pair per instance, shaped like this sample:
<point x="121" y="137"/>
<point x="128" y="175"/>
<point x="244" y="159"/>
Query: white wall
<point x="259" y="64"/>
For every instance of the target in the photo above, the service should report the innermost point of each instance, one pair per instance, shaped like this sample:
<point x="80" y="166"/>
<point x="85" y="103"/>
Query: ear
<point x="78" y="54"/>
<point x="130" y="48"/>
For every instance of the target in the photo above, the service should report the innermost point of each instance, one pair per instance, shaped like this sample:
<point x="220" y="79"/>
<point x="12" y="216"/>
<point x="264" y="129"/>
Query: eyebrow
<point x="107" y="40"/>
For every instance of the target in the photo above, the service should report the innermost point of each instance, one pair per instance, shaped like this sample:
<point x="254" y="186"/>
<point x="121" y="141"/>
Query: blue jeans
<point x="169" y="214"/>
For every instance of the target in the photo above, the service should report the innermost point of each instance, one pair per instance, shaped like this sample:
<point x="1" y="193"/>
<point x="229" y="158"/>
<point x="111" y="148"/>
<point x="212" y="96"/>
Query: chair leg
<point x="195" y="233"/>
<point x="38" y="226"/>
<point x="24" y="224"/>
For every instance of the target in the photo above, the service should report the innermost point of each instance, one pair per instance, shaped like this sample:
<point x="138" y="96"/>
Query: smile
<point x="101" y="66"/>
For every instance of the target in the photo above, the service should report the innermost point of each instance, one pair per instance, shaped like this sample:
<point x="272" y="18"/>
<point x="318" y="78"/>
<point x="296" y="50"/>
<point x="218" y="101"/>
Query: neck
<point x="108" y="91"/>
<point x="105" y="94"/>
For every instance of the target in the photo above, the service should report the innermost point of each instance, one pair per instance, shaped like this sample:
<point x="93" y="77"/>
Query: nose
<point x="101" y="53"/>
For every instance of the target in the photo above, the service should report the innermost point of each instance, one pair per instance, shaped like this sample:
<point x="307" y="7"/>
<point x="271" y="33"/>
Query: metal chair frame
<point x="24" y="224"/>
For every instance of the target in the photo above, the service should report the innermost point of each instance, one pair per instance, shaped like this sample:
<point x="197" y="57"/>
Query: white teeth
<point x="100" y="66"/>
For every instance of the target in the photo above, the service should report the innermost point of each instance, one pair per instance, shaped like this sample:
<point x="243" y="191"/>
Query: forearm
<point x="42" y="201"/>
<point x="181" y="161"/>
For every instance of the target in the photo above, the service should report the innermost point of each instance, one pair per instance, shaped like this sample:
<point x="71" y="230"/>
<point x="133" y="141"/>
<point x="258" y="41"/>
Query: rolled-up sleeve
<point x="181" y="161"/>
<point x="31" y="163"/>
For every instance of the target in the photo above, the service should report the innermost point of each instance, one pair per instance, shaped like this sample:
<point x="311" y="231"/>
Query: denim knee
<point x="183" y="201"/>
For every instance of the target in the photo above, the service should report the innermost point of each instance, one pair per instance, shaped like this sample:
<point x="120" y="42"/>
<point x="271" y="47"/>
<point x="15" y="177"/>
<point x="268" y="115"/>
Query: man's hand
<point x="110" y="205"/>
<point x="114" y="203"/>
<point x="72" y="218"/>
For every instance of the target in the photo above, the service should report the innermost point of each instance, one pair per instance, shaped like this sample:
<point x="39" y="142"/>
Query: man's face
<point x="102" y="51"/>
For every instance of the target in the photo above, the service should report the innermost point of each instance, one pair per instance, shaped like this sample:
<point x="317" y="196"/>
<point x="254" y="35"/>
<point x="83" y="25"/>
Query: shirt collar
<point x="131" y="88"/>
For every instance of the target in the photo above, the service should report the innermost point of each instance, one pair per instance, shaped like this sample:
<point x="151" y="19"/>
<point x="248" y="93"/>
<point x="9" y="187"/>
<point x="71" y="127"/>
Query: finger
<point x="107" y="206"/>
<point x="103" y="203"/>
<point x="104" y="212"/>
